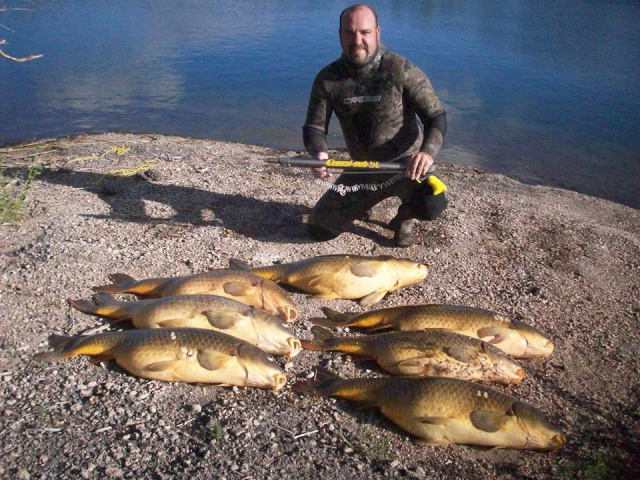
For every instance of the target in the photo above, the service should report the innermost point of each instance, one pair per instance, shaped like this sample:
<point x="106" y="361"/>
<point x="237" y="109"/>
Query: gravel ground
<point x="566" y="263"/>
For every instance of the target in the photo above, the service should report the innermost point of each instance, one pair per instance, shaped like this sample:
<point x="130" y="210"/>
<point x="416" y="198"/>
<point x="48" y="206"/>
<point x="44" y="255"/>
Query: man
<point x="388" y="111"/>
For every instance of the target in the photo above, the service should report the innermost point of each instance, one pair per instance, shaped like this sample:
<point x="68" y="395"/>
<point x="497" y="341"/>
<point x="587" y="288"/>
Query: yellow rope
<point x="121" y="150"/>
<point x="127" y="172"/>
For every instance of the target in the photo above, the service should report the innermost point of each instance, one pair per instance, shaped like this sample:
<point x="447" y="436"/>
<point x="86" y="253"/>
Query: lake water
<point x="547" y="92"/>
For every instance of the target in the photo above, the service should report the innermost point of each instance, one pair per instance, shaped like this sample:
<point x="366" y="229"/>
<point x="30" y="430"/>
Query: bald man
<point x="388" y="111"/>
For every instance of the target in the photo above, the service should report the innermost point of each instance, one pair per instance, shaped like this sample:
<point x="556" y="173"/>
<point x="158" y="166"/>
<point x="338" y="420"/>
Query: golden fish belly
<point x="184" y="366"/>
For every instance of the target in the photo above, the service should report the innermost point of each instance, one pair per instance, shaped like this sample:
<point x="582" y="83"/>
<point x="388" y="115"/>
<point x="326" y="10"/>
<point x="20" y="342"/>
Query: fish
<point x="211" y="312"/>
<point x="348" y="277"/>
<point x="188" y="355"/>
<point x="445" y="410"/>
<point x="425" y="353"/>
<point x="242" y="286"/>
<point x="515" y="338"/>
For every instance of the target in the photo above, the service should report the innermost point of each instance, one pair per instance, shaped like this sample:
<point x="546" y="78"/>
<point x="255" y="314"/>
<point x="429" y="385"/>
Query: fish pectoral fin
<point x="237" y="289"/>
<point x="325" y="296"/>
<point x="365" y="269"/>
<point x="494" y="334"/>
<point x="222" y="319"/>
<point x="461" y="354"/>
<point x="372" y="298"/>
<point x="321" y="280"/>
<point x="95" y="359"/>
<point x="162" y="366"/>
<point x="172" y="323"/>
<point x="489" y="421"/>
<point x="212" y="360"/>
<point x="435" y="420"/>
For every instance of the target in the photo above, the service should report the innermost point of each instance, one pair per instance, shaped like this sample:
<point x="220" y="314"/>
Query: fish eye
<point x="271" y="358"/>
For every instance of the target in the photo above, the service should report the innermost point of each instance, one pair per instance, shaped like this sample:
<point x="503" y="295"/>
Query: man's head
<point x="359" y="33"/>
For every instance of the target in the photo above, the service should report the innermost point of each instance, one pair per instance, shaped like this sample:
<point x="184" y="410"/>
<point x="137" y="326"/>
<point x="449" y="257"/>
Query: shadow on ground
<point x="262" y="220"/>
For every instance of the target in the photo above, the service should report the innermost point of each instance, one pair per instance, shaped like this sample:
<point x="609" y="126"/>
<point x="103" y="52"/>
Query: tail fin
<point x="321" y="384"/>
<point x="61" y="345"/>
<point x="104" y="305"/>
<point x="121" y="284"/>
<point x="322" y="335"/>
<point x="125" y="284"/>
<point x="334" y="319"/>
<point x="237" y="264"/>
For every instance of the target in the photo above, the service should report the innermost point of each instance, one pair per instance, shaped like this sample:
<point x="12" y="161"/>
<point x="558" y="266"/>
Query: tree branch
<point x="16" y="59"/>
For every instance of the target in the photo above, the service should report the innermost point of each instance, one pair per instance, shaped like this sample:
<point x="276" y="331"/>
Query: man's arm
<point x="421" y="97"/>
<point x="316" y="127"/>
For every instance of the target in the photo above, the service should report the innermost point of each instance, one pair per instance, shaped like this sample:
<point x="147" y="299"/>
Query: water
<point x="547" y="92"/>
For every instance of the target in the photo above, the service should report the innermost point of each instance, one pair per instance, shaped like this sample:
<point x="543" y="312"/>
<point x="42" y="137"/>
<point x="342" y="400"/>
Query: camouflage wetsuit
<point x="381" y="106"/>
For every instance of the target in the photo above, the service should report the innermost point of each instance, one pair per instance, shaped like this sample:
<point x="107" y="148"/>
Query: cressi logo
<point x="363" y="99"/>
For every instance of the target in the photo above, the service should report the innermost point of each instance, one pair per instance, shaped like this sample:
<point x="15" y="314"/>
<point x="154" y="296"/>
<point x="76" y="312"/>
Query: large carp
<point x="242" y="286"/>
<point x="176" y="355"/>
<point x="199" y="311"/>
<point x="425" y="353"/>
<point x="446" y="410"/>
<point x="513" y="337"/>
<point x="344" y="276"/>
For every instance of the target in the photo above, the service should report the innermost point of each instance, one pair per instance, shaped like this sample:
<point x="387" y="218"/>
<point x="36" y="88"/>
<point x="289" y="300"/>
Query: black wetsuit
<point x="387" y="110"/>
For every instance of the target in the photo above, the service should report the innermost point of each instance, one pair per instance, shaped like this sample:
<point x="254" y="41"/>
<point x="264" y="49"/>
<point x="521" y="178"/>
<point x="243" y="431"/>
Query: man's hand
<point x="321" y="172"/>
<point x="418" y="165"/>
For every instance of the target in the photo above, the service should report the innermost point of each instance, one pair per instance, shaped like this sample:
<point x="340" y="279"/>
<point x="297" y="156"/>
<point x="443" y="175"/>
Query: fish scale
<point x="513" y="337"/>
<point x="199" y="311"/>
<point x="426" y="353"/>
<point x="183" y="355"/>
<point x="446" y="410"/>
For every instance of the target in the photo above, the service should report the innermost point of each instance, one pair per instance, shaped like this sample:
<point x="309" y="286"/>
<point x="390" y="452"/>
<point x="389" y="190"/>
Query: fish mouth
<point x="557" y="442"/>
<point x="288" y="314"/>
<point x="295" y="346"/>
<point x="279" y="381"/>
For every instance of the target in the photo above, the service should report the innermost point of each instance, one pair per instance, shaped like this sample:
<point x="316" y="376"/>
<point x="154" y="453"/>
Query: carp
<point x="513" y="337"/>
<point x="446" y="410"/>
<point x="344" y="276"/>
<point x="238" y="285"/>
<point x="425" y="353"/>
<point x="211" y="312"/>
<point x="175" y="355"/>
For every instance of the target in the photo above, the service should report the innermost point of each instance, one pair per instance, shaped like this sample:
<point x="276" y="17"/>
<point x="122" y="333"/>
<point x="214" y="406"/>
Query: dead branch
<point x="16" y="59"/>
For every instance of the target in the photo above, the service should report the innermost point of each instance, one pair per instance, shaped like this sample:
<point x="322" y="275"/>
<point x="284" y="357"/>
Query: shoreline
<point x="153" y="205"/>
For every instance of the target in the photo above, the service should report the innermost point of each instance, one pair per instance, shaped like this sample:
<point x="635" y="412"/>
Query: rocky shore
<point x="151" y="205"/>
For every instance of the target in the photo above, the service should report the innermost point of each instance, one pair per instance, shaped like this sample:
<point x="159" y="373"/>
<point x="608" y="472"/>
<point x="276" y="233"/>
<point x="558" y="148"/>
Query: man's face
<point x="359" y="35"/>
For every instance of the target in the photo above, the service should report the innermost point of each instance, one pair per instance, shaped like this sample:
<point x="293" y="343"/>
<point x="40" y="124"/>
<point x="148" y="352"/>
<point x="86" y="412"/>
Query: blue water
<point x="545" y="91"/>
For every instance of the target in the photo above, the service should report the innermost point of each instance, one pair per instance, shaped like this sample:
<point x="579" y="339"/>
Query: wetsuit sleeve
<point x="316" y="127"/>
<point x="421" y="97"/>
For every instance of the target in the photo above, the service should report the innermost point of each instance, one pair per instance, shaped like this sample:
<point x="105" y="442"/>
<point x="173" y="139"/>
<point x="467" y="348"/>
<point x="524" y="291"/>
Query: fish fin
<point x="84" y="306"/>
<point x="237" y="264"/>
<point x="325" y="296"/>
<point x="435" y="420"/>
<point x="319" y="385"/>
<point x="237" y="289"/>
<point x="102" y="298"/>
<point x="335" y="315"/>
<point x="95" y="359"/>
<point x="494" y="335"/>
<point x="120" y="283"/>
<point x="372" y="298"/>
<point x="320" y="279"/>
<point x="488" y="421"/>
<point x="322" y="334"/>
<point x="222" y="319"/>
<point x="325" y="322"/>
<point x="162" y="366"/>
<point x="60" y="344"/>
<point x="172" y="323"/>
<point x="212" y="360"/>
<point x="462" y="354"/>
<point x="365" y="269"/>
